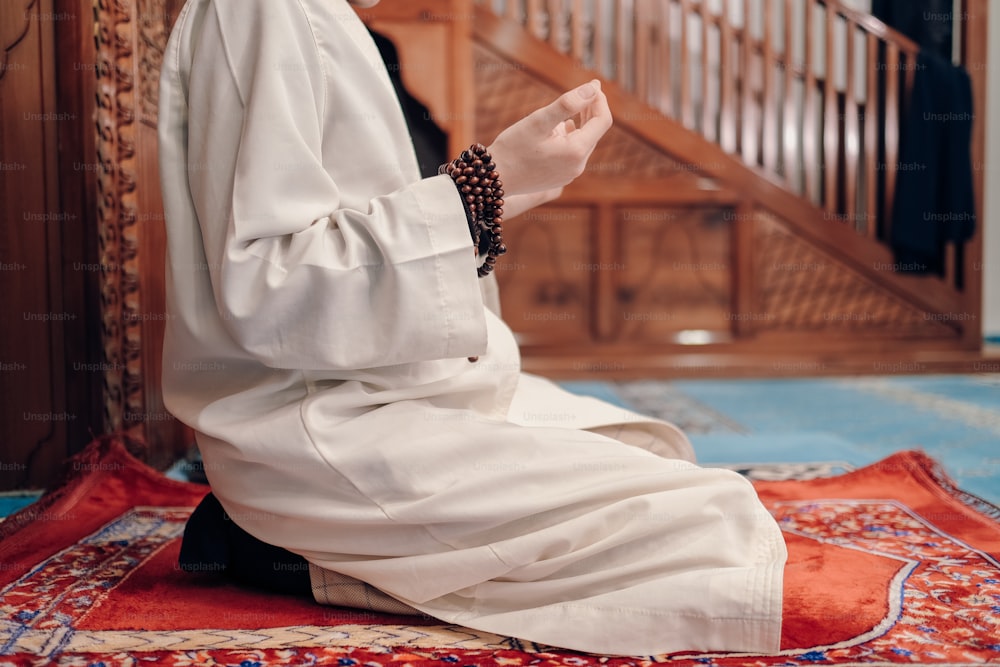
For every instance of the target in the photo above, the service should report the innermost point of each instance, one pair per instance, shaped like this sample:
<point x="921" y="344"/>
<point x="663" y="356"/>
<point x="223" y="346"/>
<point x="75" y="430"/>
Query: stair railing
<point x="808" y="92"/>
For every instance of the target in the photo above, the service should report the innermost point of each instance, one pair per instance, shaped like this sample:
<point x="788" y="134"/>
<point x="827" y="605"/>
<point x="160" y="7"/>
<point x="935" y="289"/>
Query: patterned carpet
<point x="824" y="426"/>
<point x="889" y="564"/>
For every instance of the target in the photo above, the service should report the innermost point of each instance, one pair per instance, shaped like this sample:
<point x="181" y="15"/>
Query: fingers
<point x="596" y="122"/>
<point x="564" y="128"/>
<point x="550" y="147"/>
<point x="568" y="104"/>
<point x="588" y="112"/>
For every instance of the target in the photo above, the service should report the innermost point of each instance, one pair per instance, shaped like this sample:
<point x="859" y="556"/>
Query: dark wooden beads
<point x="475" y="174"/>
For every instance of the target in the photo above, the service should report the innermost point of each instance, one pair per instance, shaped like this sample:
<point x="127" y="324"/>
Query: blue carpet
<point x="854" y="421"/>
<point x="847" y="422"/>
<point x="15" y="500"/>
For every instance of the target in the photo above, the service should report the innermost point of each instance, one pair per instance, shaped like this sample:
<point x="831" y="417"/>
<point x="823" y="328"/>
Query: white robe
<point x="322" y="303"/>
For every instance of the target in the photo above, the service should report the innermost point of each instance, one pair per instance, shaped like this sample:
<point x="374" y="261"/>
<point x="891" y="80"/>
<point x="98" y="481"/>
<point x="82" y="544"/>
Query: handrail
<point x="874" y="25"/>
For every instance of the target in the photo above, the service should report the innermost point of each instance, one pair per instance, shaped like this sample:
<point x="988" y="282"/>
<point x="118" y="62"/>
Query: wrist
<point x="505" y="165"/>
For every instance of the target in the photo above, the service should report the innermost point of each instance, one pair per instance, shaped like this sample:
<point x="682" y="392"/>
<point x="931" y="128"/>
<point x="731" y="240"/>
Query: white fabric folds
<point x="322" y="303"/>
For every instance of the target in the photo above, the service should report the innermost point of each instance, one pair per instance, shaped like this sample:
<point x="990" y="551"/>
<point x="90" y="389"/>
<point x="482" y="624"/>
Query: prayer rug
<point x="889" y="563"/>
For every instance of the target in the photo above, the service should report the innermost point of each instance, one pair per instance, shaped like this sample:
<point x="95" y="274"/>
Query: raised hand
<point x="547" y="149"/>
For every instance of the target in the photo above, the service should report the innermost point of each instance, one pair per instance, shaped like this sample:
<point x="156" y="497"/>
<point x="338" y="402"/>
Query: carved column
<point x="131" y="37"/>
<point x="117" y="214"/>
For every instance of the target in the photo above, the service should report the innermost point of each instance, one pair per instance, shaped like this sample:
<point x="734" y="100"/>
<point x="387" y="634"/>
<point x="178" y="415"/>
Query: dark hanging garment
<point x="934" y="202"/>
<point x="429" y="141"/>
<point x="929" y="23"/>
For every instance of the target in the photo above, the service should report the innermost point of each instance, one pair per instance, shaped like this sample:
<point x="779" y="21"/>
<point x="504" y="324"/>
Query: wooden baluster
<point x="727" y="93"/>
<point x="535" y="19"/>
<point x="871" y="137"/>
<point x="654" y="66"/>
<point x="852" y="131"/>
<point x="556" y="24"/>
<point x="831" y="114"/>
<point x="577" y="26"/>
<point x="643" y="60"/>
<point x="748" y="125"/>
<point x="708" y="82"/>
<point x="660" y="58"/>
<point x="770" y="145"/>
<point x="790" y="120"/>
<point x="666" y="78"/>
<point x="810" y="117"/>
<point x="624" y="40"/>
<point x="513" y="11"/>
<point x="892" y="122"/>
<point x="598" y="26"/>
<point x="687" y="104"/>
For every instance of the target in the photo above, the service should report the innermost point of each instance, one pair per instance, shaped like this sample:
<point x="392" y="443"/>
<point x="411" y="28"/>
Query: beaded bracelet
<point x="475" y="175"/>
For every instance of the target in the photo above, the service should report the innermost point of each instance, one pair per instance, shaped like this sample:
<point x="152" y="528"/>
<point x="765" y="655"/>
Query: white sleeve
<point x="301" y="282"/>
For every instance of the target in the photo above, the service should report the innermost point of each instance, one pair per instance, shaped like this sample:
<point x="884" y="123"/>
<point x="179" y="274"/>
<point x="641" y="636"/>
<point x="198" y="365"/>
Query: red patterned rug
<point x="888" y="564"/>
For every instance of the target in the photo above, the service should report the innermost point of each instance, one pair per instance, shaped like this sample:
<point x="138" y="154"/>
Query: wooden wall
<point x="50" y="369"/>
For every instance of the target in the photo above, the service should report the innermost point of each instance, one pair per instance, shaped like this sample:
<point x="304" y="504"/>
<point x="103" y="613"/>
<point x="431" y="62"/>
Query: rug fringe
<point x="936" y="471"/>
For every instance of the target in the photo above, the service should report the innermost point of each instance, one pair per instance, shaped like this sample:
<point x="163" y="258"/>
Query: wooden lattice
<point x="505" y="93"/>
<point x="802" y="288"/>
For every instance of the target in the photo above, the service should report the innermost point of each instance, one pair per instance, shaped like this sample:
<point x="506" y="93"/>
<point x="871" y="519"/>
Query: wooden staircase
<point x="801" y="151"/>
<point x="734" y="220"/>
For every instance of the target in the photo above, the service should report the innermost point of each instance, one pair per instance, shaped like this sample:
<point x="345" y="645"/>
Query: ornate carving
<point x="117" y="215"/>
<point x="675" y="271"/>
<point x="545" y="285"/>
<point x="10" y="42"/>
<point x="803" y="289"/>
<point x="154" y="30"/>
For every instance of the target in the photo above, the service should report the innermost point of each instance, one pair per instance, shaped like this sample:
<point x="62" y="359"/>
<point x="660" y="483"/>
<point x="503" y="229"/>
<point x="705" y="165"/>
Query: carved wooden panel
<point x="804" y="289"/>
<point x="674" y="273"/>
<point x="545" y="281"/>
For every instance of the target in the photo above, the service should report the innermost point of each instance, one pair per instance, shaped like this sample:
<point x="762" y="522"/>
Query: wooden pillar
<point x="131" y="36"/>
<point x="975" y="54"/>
